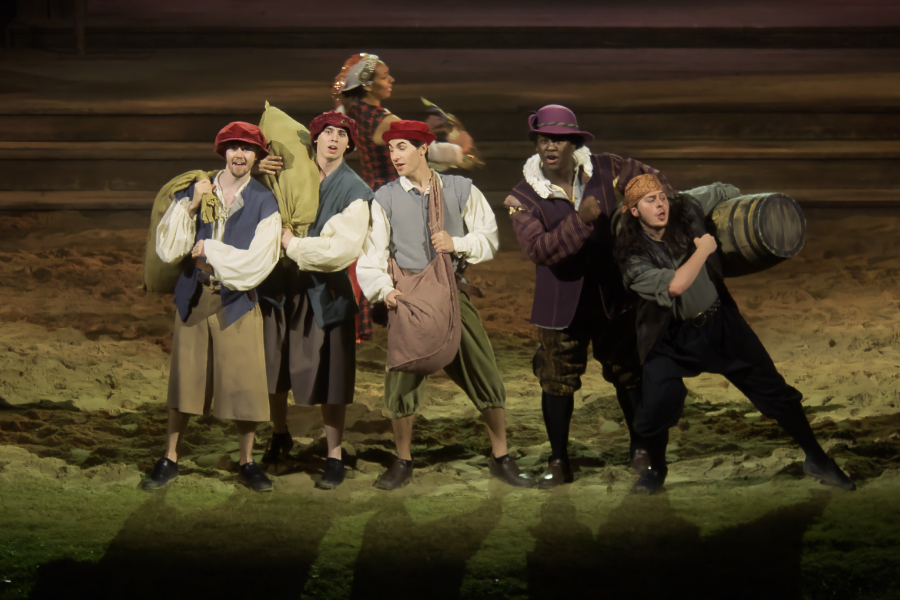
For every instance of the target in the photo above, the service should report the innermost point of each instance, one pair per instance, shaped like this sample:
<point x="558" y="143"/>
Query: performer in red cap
<point x="231" y="228"/>
<point x="310" y="335"/>
<point x="689" y="324"/>
<point x="398" y="231"/>
<point x="561" y="215"/>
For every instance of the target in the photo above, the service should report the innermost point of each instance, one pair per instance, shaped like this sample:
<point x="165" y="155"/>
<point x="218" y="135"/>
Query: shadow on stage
<point x="645" y="550"/>
<point x="404" y="559"/>
<point x="267" y="547"/>
<point x="245" y="547"/>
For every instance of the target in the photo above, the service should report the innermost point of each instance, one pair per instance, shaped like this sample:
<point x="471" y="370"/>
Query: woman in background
<point x="359" y="89"/>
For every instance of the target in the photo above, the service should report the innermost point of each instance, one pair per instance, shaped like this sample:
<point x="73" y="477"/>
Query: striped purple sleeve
<point x="626" y="169"/>
<point x="549" y="247"/>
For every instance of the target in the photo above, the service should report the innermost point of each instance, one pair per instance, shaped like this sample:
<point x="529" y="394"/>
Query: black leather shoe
<point x="163" y="472"/>
<point x="557" y="473"/>
<point x="640" y="461"/>
<point x="252" y="476"/>
<point x="508" y="471"/>
<point x="650" y="482"/>
<point x="397" y="475"/>
<point x="333" y="475"/>
<point x="828" y="473"/>
<point x="279" y="446"/>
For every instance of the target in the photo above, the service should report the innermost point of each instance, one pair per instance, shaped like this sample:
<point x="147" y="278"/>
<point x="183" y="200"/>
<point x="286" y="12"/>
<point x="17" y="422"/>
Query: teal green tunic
<point x="331" y="294"/>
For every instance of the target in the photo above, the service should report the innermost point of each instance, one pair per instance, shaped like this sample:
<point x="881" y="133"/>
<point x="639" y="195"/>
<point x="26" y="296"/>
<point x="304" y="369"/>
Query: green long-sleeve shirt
<point x="653" y="285"/>
<point x="653" y="282"/>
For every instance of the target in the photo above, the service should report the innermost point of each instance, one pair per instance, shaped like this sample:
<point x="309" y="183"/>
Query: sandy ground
<point x="83" y="373"/>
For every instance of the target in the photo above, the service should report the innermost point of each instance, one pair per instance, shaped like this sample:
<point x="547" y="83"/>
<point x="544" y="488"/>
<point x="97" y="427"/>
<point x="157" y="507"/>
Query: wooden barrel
<point x="757" y="232"/>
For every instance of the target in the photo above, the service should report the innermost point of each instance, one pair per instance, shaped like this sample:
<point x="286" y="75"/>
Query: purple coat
<point x="569" y="253"/>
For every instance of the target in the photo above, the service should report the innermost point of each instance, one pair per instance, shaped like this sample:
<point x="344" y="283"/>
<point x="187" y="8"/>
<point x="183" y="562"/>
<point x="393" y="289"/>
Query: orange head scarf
<point x="639" y="187"/>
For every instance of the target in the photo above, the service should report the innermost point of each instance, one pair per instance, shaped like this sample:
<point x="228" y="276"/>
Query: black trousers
<point x="723" y="343"/>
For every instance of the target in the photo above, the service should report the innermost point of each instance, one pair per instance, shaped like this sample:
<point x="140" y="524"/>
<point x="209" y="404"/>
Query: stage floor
<point x="83" y="381"/>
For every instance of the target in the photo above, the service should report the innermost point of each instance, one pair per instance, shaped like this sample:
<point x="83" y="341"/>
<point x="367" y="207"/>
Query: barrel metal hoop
<point x="802" y="237"/>
<point x="734" y="243"/>
<point x="755" y="217"/>
<point x="747" y="228"/>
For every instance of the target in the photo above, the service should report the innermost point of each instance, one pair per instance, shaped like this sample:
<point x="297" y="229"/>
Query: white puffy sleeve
<point x="372" y="266"/>
<point x="337" y="245"/>
<point x="482" y="241"/>
<point x="443" y="155"/>
<point x="243" y="270"/>
<point x="176" y="232"/>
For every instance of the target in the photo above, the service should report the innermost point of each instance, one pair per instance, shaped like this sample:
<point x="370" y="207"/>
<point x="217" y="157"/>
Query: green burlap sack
<point x="161" y="277"/>
<point x="296" y="186"/>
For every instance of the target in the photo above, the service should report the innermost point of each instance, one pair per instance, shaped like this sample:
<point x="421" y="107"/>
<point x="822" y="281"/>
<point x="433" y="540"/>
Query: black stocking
<point x="628" y="400"/>
<point x="557" y="412"/>
<point x="656" y="449"/>
<point x="797" y="426"/>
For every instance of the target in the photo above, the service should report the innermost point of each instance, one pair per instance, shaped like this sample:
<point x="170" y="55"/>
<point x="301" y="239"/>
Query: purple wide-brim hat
<point x="558" y="120"/>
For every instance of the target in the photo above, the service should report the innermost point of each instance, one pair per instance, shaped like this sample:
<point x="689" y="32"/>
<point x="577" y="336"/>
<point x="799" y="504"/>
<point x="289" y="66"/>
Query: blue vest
<point x="331" y="294"/>
<point x="259" y="204"/>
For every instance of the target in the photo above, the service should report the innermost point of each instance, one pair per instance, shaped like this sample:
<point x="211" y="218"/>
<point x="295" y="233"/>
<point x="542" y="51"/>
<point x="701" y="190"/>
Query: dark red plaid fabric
<point x="376" y="170"/>
<point x="364" y="321"/>
<point x="375" y="161"/>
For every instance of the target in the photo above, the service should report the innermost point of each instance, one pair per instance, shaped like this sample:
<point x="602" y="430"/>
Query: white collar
<point x="238" y="195"/>
<point x="535" y="177"/>
<point x="407" y="185"/>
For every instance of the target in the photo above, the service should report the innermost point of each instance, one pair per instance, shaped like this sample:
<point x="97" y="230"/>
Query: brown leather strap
<point x="468" y="288"/>
<point x="204" y="266"/>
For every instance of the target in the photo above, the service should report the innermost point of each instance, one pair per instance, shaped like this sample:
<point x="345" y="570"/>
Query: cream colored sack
<point x="296" y="187"/>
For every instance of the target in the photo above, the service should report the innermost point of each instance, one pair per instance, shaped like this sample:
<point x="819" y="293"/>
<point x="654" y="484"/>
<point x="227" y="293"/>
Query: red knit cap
<point x="409" y="130"/>
<point x="242" y="132"/>
<point x="335" y="119"/>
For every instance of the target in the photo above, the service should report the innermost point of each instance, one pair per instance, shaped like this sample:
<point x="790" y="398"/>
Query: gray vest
<point x="407" y="213"/>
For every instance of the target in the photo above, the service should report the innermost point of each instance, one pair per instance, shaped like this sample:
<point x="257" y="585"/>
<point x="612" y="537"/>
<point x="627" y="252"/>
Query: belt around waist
<point x="699" y="320"/>
<point x="214" y="285"/>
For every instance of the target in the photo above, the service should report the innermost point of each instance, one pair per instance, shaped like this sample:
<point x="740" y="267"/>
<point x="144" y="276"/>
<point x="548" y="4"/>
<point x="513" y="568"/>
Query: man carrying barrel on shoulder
<point x="688" y="324"/>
